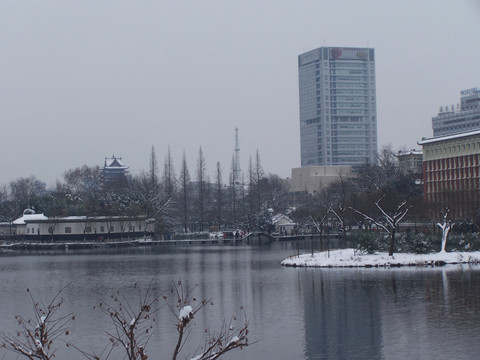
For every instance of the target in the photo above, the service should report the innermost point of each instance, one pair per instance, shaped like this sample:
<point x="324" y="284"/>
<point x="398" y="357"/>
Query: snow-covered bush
<point x="466" y="241"/>
<point x="419" y="243"/>
<point x="369" y="242"/>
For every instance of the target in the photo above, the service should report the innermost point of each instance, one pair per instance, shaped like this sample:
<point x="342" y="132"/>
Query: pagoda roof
<point x="114" y="162"/>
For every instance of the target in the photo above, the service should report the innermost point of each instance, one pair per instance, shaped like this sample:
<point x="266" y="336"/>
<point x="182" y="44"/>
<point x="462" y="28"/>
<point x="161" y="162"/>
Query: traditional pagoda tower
<point x="114" y="172"/>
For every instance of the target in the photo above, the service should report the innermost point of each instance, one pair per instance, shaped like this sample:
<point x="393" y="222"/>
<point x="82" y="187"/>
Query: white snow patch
<point x="185" y="312"/>
<point x="234" y="340"/>
<point x="349" y="258"/>
<point x="39" y="344"/>
<point x="132" y="322"/>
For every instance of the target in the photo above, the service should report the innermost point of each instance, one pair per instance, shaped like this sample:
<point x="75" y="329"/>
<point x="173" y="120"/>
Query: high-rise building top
<point x="338" y="121"/>
<point x="462" y="117"/>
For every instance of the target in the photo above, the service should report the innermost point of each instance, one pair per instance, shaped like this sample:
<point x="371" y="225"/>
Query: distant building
<point x="464" y="117"/>
<point x="40" y="228"/>
<point x="410" y="161"/>
<point x="283" y="224"/>
<point x="312" y="180"/>
<point x="451" y="172"/>
<point x="114" y="171"/>
<point x="338" y="117"/>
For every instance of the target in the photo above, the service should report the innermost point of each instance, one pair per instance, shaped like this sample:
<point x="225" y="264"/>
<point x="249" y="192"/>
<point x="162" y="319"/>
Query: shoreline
<point x="68" y="245"/>
<point x="348" y="258"/>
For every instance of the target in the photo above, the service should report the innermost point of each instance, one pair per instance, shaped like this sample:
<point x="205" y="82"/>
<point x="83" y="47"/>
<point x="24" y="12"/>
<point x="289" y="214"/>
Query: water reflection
<point x="342" y="315"/>
<point x="392" y="313"/>
<point x="294" y="313"/>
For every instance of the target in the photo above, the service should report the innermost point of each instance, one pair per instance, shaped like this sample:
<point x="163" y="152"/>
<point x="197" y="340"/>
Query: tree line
<point x="379" y="195"/>
<point x="186" y="201"/>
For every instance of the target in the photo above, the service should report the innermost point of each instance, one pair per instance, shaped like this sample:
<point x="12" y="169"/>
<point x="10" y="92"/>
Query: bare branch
<point x="36" y="337"/>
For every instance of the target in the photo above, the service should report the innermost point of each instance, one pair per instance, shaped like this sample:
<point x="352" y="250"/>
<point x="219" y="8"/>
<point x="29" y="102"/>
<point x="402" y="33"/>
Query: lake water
<point x="293" y="313"/>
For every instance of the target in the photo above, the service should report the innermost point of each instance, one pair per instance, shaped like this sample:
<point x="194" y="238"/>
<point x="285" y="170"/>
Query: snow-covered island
<point x="351" y="258"/>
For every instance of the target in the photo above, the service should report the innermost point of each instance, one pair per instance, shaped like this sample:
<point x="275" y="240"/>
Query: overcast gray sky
<point x="82" y="80"/>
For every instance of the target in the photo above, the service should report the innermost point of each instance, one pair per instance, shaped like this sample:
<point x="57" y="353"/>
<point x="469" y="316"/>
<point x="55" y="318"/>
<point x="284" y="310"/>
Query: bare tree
<point x="84" y="186"/>
<point x="25" y="193"/>
<point x="36" y="337"/>
<point x="185" y="306"/>
<point x="233" y="195"/>
<point x="390" y="220"/>
<point x="258" y="176"/>
<point x="132" y="326"/>
<point x="251" y="184"/>
<point x="219" y="194"/>
<point x="151" y="202"/>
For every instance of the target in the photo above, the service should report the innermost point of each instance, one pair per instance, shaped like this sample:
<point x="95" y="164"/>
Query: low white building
<point x="20" y="226"/>
<point x="38" y="227"/>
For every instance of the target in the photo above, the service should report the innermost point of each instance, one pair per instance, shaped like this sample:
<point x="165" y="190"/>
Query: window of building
<point x="88" y="229"/>
<point x="68" y="230"/>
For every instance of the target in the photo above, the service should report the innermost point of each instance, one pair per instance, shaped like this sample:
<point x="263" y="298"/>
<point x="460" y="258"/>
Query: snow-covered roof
<point x="114" y="162"/>
<point x="279" y="217"/>
<point x="66" y="219"/>
<point x="29" y="217"/>
<point x="448" y="137"/>
<point x="409" y="152"/>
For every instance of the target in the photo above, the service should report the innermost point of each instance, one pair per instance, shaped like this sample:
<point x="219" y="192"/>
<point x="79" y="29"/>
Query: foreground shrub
<point x="369" y="241"/>
<point x="132" y="326"/>
<point x="418" y="243"/>
<point x="465" y="241"/>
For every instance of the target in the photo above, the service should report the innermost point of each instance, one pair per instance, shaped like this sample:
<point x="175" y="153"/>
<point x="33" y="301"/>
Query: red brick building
<point x="451" y="173"/>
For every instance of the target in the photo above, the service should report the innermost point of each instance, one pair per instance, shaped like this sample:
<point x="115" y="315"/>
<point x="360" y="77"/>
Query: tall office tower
<point x="338" y="121"/>
<point x="465" y="117"/>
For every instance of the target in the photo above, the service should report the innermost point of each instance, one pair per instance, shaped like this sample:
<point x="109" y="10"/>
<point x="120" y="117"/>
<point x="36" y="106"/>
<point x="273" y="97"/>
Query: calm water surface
<point x="414" y="313"/>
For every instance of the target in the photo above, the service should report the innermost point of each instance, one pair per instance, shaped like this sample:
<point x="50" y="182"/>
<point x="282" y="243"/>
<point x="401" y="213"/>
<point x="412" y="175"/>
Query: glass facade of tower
<point x="338" y="124"/>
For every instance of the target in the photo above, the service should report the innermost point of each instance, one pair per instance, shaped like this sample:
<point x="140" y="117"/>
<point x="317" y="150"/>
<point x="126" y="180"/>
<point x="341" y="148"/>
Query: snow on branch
<point x="35" y="338"/>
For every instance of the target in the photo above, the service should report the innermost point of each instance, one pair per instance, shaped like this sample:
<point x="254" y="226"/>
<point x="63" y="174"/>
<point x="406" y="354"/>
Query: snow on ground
<point x="349" y="258"/>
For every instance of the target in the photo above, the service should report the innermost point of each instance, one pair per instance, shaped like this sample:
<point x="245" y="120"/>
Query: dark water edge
<point x="294" y="313"/>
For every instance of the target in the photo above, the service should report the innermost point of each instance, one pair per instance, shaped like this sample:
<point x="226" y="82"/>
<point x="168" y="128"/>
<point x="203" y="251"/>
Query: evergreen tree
<point x="184" y="190"/>
<point x="201" y="177"/>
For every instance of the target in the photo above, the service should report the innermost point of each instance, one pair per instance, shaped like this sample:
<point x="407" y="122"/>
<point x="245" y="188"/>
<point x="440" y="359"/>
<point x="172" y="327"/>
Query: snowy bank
<point x="349" y="258"/>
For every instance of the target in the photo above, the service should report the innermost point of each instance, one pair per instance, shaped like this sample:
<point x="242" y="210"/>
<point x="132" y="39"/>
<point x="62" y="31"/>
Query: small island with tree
<point x="384" y="221"/>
